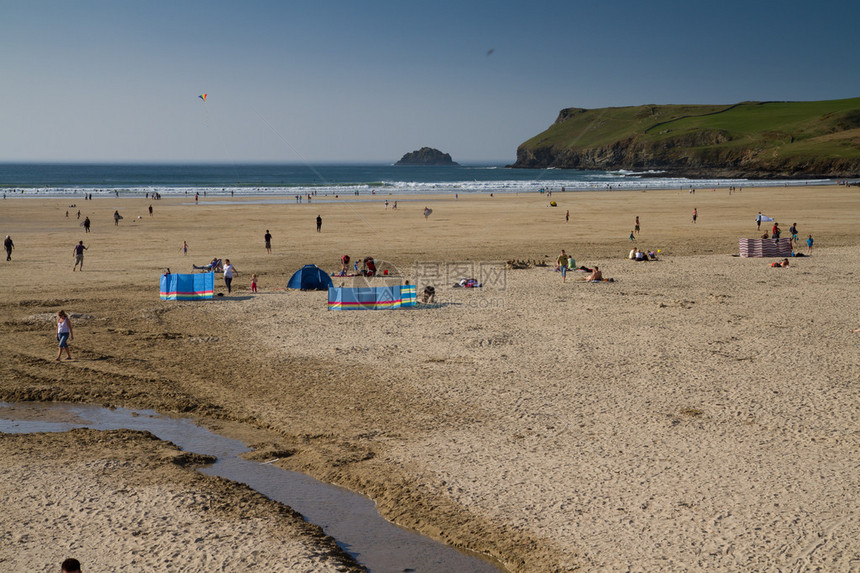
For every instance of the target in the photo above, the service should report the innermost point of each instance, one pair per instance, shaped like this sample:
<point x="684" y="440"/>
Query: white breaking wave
<point x="595" y="182"/>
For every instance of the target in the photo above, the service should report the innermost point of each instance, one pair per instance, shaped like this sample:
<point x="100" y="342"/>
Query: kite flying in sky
<point x="202" y="96"/>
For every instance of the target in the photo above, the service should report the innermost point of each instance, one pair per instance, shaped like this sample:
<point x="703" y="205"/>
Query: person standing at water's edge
<point x="229" y="271"/>
<point x="79" y="255"/>
<point x="319" y="224"/>
<point x="64" y="334"/>
<point x="8" y="245"/>
<point x="268" y="238"/>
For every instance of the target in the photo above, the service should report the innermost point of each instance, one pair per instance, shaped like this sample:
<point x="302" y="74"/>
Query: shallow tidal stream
<point x="351" y="519"/>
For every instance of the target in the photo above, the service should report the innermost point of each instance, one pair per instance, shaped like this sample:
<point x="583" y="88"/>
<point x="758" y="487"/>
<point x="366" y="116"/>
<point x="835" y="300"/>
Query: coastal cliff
<point x="749" y="139"/>
<point x="426" y="156"/>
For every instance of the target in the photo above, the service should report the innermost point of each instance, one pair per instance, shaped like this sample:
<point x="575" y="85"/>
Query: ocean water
<point x="58" y="180"/>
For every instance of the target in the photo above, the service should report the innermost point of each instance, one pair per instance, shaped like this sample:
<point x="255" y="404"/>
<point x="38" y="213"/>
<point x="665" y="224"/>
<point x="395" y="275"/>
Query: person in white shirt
<point x="229" y="271"/>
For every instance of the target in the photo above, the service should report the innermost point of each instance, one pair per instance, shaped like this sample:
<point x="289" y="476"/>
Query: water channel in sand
<point x="349" y="518"/>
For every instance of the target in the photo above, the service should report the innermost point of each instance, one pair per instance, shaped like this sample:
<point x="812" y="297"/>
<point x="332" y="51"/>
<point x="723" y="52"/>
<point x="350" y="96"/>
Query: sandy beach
<point x="700" y="413"/>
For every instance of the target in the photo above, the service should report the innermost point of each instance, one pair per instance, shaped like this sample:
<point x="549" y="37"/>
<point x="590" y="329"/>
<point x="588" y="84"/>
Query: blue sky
<point x="327" y="81"/>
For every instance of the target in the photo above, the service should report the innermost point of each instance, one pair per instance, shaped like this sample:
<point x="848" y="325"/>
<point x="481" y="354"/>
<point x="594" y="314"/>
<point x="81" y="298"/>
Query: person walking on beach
<point x="809" y="242"/>
<point x="8" y="245"/>
<point x="254" y="283"/>
<point x="319" y="224"/>
<point x="150" y="210"/>
<point x="636" y="227"/>
<point x="567" y="216"/>
<point x="562" y="262"/>
<point x="79" y="214"/>
<point x="86" y="224"/>
<point x="795" y="240"/>
<point x="695" y="214"/>
<point x="268" y="238"/>
<point x="64" y="334"/>
<point x="758" y="221"/>
<point x="229" y="271"/>
<point x="116" y="218"/>
<point x="79" y="255"/>
<point x="70" y="566"/>
<point x="184" y="248"/>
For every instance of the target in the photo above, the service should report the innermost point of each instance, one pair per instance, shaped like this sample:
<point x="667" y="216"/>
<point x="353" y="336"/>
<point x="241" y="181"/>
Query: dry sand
<point x="701" y="413"/>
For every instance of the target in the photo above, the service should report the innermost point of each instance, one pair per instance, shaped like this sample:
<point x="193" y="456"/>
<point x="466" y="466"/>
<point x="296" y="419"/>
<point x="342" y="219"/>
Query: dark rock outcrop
<point x="426" y="156"/>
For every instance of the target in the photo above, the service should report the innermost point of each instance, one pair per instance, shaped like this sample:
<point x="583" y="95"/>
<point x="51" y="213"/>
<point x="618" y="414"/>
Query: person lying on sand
<point x="214" y="265"/>
<point x="784" y="263"/>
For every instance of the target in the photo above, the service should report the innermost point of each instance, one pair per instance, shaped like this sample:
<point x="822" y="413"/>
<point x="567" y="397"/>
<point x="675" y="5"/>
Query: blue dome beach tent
<point x="310" y="277"/>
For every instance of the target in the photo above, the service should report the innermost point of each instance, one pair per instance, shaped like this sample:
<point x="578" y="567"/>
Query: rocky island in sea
<point x="426" y="156"/>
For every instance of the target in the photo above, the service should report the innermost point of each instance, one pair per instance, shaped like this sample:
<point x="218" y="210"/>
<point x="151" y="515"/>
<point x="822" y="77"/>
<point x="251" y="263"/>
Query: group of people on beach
<point x="776" y="233"/>
<point x="565" y="263"/>
<point x="368" y="266"/>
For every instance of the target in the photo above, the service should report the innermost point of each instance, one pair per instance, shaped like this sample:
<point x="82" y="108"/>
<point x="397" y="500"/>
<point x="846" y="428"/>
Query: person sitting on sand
<point x="368" y="267"/>
<point x="765" y="235"/>
<point x="595" y="275"/>
<point x="429" y="294"/>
